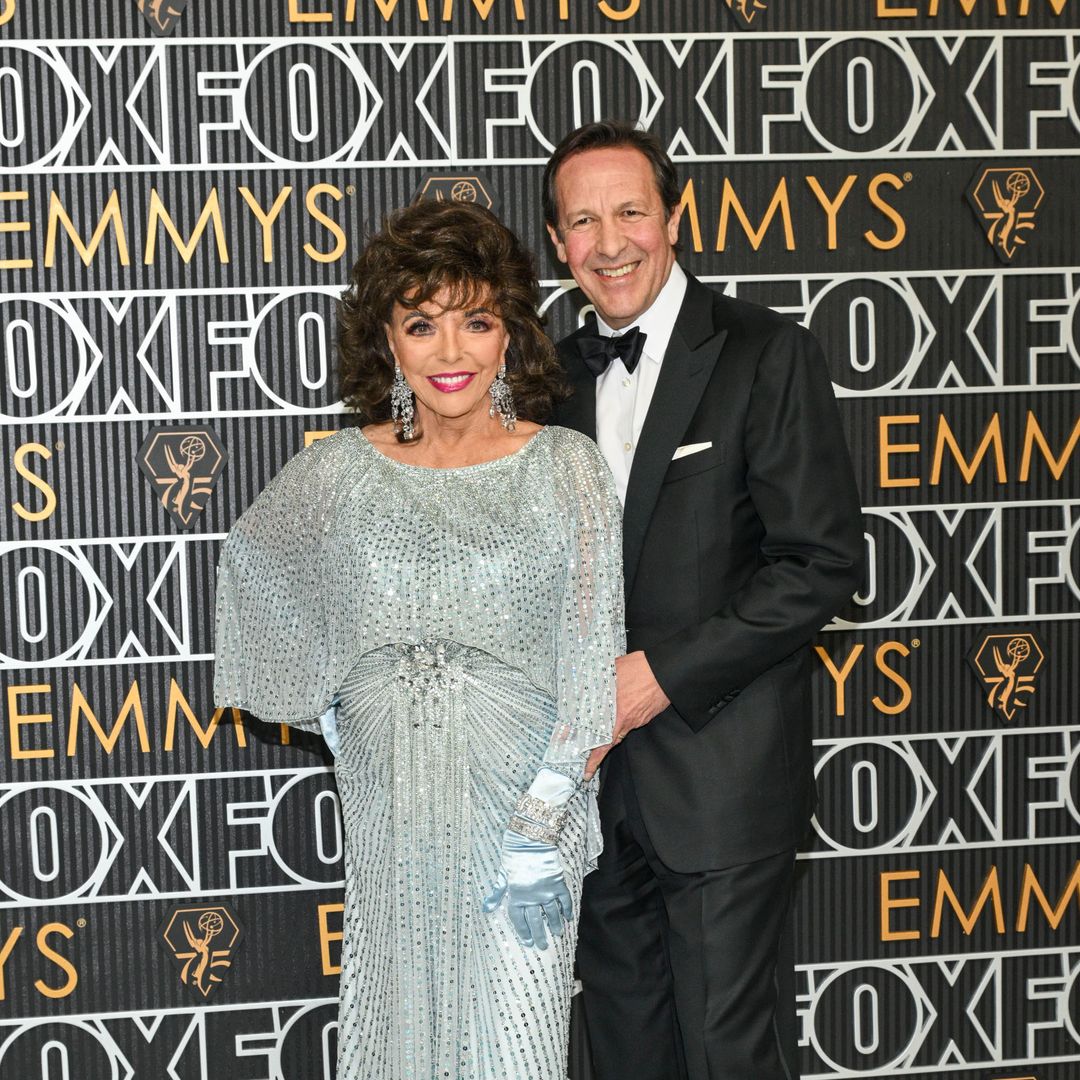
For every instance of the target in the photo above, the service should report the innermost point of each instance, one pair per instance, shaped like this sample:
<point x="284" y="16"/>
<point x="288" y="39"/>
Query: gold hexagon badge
<point x="183" y="464"/>
<point x="455" y="189"/>
<point x="1005" y="201"/>
<point x="162" y="15"/>
<point x="202" y="941"/>
<point x="1007" y="665"/>
<point x="746" y="10"/>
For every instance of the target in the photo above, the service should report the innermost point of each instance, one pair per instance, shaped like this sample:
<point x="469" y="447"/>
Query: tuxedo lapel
<point x="688" y="365"/>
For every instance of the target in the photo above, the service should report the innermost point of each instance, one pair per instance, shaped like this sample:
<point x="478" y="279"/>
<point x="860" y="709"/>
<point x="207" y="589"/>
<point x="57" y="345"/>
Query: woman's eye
<point x="479" y="324"/>
<point x="418" y="326"/>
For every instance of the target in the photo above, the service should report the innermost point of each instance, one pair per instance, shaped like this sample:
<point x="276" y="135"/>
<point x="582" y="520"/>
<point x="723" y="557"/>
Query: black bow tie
<point x="597" y="352"/>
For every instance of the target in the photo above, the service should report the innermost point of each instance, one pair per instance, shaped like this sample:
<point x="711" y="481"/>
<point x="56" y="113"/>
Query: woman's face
<point x="449" y="356"/>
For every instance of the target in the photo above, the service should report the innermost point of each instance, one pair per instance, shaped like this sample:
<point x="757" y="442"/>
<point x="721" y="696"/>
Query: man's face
<point x="614" y="231"/>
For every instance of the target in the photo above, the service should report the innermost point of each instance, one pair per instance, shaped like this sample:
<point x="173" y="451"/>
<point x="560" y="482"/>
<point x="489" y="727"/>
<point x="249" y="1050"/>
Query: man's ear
<point x="560" y="247"/>
<point x="673" y="225"/>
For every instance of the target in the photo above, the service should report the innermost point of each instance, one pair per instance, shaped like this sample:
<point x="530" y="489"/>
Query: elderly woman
<point x="440" y="592"/>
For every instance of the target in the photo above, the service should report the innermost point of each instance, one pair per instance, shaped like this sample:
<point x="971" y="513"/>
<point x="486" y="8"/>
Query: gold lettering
<point x="730" y="201"/>
<point x="945" y="437"/>
<point x="1057" y="5"/>
<point x="1034" y="434"/>
<point x="62" y="962"/>
<point x="619" y="16"/>
<point x="109" y="216"/>
<point x="887" y="449"/>
<point x="831" y="206"/>
<point x="36" y="481"/>
<point x="211" y="211"/>
<point x="689" y="203"/>
<point x="890" y="902"/>
<point x="1031" y="887"/>
<point x="16" y="227"/>
<point x="331" y="226"/>
<point x="840" y="675"/>
<point x="177" y="701"/>
<point x="888" y="211"/>
<point x="5" y="952"/>
<point x="968" y="6"/>
<point x="387" y="8"/>
<point x="991" y="890"/>
<point x="298" y="16"/>
<point x="326" y="936"/>
<point x="81" y="707"/>
<point x="892" y="675"/>
<point x="17" y="720"/>
<point x="886" y="12"/>
<point x="484" y="8"/>
<point x="266" y="218"/>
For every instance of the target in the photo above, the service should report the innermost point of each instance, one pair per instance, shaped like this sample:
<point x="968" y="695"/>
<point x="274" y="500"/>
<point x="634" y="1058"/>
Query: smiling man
<point x="742" y="537"/>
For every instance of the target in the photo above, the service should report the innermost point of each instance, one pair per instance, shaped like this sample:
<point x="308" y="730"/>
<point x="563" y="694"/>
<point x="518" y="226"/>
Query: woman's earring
<point x="502" y="400"/>
<point x="401" y="405"/>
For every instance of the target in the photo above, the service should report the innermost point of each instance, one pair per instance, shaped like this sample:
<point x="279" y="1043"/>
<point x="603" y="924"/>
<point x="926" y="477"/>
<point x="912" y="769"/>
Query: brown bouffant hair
<point x="464" y="249"/>
<point x="610" y="134"/>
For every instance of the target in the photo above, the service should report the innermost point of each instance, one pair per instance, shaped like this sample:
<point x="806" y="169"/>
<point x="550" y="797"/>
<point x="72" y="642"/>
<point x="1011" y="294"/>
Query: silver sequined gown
<point x="468" y="620"/>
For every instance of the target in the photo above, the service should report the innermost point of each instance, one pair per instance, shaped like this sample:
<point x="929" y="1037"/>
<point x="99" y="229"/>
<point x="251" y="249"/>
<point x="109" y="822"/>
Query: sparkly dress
<point x="467" y="620"/>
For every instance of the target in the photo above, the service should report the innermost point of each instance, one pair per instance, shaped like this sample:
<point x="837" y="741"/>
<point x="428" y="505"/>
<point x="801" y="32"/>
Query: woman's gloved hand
<point x="530" y="874"/>
<point x="531" y="879"/>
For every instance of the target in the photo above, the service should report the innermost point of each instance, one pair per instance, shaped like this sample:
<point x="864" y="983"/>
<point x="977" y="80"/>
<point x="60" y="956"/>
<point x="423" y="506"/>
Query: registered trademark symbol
<point x="908" y="177"/>
<point x="80" y="923"/>
<point x="59" y="444"/>
<point x="350" y="189"/>
<point x="915" y="643"/>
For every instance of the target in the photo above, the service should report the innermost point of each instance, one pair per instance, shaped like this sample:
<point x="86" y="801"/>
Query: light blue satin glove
<point x="531" y="872"/>
<point x="531" y="879"/>
<point x="328" y="723"/>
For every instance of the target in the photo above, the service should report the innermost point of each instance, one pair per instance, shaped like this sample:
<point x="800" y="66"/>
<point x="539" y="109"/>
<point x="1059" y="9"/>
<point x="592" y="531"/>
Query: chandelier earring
<point x="402" y="409"/>
<point x="502" y="400"/>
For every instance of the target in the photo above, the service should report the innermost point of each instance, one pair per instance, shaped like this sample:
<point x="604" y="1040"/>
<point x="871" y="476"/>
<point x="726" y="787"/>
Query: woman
<point x="449" y="578"/>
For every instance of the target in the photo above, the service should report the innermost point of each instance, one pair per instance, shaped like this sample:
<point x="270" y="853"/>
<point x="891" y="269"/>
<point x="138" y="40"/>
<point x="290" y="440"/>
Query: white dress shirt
<point x="622" y="399"/>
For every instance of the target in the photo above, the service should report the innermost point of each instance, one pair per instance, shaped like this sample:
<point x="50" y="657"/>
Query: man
<point x="742" y="538"/>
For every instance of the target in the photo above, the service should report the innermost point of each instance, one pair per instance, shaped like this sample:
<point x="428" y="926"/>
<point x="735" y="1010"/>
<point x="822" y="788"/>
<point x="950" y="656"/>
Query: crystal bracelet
<point x="532" y="831"/>
<point x="543" y="813"/>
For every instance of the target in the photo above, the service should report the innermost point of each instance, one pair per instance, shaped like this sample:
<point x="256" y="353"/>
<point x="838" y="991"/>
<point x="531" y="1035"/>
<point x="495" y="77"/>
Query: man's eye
<point x="631" y="213"/>
<point x="580" y="222"/>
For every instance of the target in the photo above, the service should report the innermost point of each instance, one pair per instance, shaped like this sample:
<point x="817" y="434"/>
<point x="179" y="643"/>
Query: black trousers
<point x="685" y="976"/>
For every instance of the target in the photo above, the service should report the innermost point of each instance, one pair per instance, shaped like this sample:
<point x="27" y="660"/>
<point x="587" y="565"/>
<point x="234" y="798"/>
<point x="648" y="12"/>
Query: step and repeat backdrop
<point x="183" y="188"/>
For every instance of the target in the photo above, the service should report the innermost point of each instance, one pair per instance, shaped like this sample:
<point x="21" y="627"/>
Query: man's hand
<point x="638" y="698"/>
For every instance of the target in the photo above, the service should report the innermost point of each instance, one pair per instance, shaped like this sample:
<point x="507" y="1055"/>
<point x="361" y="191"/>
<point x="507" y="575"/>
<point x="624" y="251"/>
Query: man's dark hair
<point x="604" y="134"/>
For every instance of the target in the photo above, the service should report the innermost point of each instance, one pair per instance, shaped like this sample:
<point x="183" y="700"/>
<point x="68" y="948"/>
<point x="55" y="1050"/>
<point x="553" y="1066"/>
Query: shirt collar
<point x="658" y="321"/>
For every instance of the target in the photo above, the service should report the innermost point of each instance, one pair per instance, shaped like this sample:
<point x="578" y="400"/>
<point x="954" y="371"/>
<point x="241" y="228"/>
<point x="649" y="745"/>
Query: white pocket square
<point x="690" y="448"/>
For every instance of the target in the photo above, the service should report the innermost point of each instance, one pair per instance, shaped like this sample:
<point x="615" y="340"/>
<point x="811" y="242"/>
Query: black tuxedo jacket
<point x="734" y="557"/>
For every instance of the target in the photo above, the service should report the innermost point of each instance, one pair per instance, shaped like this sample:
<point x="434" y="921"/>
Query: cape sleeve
<point x="590" y="628"/>
<point x="272" y="645"/>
